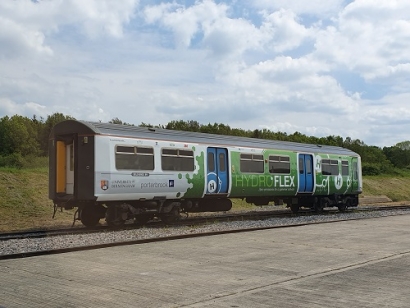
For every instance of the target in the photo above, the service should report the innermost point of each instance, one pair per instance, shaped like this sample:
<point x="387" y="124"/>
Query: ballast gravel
<point x="28" y="245"/>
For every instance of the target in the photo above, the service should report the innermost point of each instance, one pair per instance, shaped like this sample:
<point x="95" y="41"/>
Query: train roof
<point x="118" y="130"/>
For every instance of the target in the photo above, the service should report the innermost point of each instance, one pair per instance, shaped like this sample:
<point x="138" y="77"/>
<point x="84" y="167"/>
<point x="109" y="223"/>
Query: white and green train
<point x="121" y="172"/>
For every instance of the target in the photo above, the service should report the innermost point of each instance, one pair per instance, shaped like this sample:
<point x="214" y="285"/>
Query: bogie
<point x="91" y="214"/>
<point x="142" y="219"/>
<point x="116" y="215"/>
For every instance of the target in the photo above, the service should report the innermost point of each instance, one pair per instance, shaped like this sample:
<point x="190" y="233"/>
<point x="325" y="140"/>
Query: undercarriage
<point x="140" y="212"/>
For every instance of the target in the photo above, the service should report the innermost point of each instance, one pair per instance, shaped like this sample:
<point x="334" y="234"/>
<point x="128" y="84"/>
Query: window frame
<point x="137" y="155"/>
<point x="180" y="157"/>
<point x="251" y="160"/>
<point x="345" y="165"/>
<point x="332" y="167"/>
<point x="272" y="161"/>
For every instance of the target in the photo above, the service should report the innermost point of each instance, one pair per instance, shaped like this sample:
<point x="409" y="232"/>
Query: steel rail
<point x="196" y="220"/>
<point x="199" y="221"/>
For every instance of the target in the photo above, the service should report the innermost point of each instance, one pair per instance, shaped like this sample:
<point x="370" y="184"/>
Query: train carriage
<point x="121" y="172"/>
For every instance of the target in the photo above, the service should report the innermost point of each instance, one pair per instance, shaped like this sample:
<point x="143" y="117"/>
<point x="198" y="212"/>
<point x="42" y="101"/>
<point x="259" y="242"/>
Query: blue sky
<point x="317" y="67"/>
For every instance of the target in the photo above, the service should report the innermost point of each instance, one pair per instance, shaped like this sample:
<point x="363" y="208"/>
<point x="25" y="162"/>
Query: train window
<point x="170" y="152"/>
<point x="246" y="156"/>
<point x="142" y="151"/>
<point x="121" y="149"/>
<point x="355" y="175"/>
<point x="134" y="158"/>
<point x="252" y="163"/>
<point x="335" y="167"/>
<point x="71" y="157"/>
<point x="308" y="168"/>
<point x="345" y="167"/>
<point x="326" y="167"/>
<point x="330" y="167"/>
<point x="279" y="164"/>
<point x="222" y="166"/>
<point x="301" y="165"/>
<point x="211" y="162"/>
<point x="177" y="160"/>
<point x="185" y="153"/>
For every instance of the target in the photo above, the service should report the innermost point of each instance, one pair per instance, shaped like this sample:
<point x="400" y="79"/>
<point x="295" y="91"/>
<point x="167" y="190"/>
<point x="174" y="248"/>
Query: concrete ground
<point x="363" y="263"/>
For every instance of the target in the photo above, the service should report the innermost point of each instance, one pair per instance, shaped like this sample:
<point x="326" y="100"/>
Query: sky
<point x="321" y="68"/>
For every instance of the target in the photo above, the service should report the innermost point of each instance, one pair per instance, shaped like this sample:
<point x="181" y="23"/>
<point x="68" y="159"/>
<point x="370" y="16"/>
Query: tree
<point x="188" y="126"/>
<point x="18" y="134"/>
<point x="398" y="155"/>
<point x="405" y="145"/>
<point x="47" y="126"/>
<point x="118" y="121"/>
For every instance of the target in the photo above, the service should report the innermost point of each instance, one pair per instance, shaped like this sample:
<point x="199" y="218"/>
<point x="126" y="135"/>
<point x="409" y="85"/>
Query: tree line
<point x="24" y="139"/>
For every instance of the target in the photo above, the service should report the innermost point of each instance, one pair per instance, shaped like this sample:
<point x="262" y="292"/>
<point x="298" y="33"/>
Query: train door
<point x="306" y="175"/>
<point x="65" y="167"/>
<point x="217" y="173"/>
<point x="69" y="172"/>
<point x="355" y="177"/>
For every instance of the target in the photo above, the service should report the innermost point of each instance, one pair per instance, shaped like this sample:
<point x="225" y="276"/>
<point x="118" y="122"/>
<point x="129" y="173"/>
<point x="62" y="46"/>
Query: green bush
<point x="370" y="169"/>
<point x="31" y="162"/>
<point x="14" y="160"/>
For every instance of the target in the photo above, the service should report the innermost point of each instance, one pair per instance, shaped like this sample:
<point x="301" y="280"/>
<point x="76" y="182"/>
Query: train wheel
<point x="89" y="216"/>
<point x="319" y="205"/>
<point x="344" y="206"/>
<point x="113" y="216"/>
<point x="171" y="217"/>
<point x="294" y="208"/>
<point x="318" y="208"/>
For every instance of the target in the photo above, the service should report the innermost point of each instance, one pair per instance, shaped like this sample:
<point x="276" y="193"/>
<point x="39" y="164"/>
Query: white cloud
<point x="312" y="7"/>
<point x="25" y="24"/>
<point x="222" y="35"/>
<point x="27" y="109"/>
<point x="371" y="38"/>
<point x="284" y="31"/>
<point x="16" y="39"/>
<point x="185" y="22"/>
<point x="102" y="16"/>
<point x="322" y="68"/>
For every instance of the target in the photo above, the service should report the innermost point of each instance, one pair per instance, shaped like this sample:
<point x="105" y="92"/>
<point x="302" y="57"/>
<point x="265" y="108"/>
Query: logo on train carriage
<point x="212" y="186"/>
<point x="338" y="181"/>
<point x="104" y="184"/>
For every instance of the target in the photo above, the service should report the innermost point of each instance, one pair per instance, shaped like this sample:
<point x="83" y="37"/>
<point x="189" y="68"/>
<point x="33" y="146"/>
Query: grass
<point x="24" y="202"/>
<point x="396" y="188"/>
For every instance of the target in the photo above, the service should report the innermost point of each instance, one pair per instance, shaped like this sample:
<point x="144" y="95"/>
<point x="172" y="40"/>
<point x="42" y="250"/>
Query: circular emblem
<point x="338" y="182"/>
<point x="212" y="186"/>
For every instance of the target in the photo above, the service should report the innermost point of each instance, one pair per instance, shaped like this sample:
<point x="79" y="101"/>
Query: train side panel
<point x="261" y="175"/>
<point x="121" y="172"/>
<point x="337" y="174"/>
<point x="253" y="173"/>
<point x="119" y="177"/>
<point x="71" y="168"/>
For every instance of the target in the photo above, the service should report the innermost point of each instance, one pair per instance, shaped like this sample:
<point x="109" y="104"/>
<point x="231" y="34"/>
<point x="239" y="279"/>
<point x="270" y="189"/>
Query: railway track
<point x="190" y="221"/>
<point x="193" y="220"/>
<point x="165" y="232"/>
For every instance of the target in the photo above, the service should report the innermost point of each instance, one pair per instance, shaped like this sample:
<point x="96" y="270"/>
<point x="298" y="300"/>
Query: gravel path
<point x="80" y="240"/>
